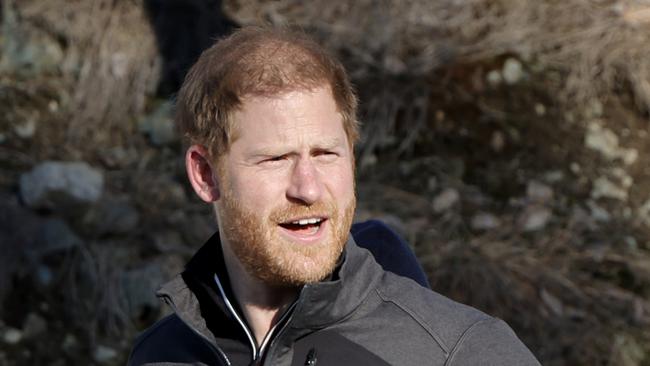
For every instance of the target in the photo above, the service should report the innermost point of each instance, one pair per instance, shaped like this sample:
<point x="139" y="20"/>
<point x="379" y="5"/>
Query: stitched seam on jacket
<point x="418" y="320"/>
<point x="462" y="338"/>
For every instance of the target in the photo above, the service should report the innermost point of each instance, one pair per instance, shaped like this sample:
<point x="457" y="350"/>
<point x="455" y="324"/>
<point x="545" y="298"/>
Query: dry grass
<point x="92" y="294"/>
<point x="111" y="64"/>
<point x="566" y="303"/>
<point x="597" y="45"/>
<point x="591" y="303"/>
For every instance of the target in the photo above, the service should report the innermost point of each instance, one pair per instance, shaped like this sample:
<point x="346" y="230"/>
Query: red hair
<point x="256" y="61"/>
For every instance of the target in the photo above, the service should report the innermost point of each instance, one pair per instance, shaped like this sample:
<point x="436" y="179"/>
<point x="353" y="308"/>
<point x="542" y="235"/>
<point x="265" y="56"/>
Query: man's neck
<point x="262" y="305"/>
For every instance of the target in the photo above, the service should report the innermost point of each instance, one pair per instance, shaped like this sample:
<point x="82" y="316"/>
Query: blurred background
<point x="507" y="141"/>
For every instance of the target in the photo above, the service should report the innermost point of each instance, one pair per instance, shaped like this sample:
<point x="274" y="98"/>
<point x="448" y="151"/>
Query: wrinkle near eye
<point x="273" y="160"/>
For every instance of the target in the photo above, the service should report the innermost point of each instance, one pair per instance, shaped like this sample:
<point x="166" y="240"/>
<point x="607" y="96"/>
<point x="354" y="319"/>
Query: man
<point x="271" y="122"/>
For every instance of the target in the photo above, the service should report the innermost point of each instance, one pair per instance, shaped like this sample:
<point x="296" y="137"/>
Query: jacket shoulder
<point x="490" y="342"/>
<point x="459" y="330"/>
<point x="169" y="340"/>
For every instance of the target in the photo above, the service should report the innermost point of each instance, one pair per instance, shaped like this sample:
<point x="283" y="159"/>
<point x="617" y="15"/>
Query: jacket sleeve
<point x="490" y="342"/>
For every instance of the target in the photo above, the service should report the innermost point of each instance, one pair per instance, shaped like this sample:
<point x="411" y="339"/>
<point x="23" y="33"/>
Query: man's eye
<point x="274" y="159"/>
<point x="327" y="155"/>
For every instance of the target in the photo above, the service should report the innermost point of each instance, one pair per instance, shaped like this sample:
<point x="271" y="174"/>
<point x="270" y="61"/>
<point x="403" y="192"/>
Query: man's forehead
<point x="286" y="92"/>
<point x="289" y="115"/>
<point x="280" y="140"/>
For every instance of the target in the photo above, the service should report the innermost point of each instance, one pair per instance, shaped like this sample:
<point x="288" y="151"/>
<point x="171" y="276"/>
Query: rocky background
<point x="506" y="140"/>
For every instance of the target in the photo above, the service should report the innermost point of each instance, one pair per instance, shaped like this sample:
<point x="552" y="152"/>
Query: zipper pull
<point x="311" y="358"/>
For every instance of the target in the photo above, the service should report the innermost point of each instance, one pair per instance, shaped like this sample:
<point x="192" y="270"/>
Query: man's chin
<point x="285" y="281"/>
<point x="300" y="265"/>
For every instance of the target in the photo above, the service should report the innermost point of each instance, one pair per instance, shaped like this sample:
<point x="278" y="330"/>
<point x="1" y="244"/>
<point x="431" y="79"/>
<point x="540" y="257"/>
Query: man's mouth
<point x="304" y="227"/>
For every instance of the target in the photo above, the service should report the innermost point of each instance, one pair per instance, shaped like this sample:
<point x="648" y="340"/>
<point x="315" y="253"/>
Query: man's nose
<point x="305" y="185"/>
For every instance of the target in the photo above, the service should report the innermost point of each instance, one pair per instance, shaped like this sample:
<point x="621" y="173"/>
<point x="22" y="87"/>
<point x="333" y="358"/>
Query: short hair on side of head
<point x="256" y="61"/>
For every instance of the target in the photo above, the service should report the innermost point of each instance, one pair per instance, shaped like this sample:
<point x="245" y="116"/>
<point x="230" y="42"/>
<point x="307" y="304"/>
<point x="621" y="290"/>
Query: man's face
<point x="287" y="187"/>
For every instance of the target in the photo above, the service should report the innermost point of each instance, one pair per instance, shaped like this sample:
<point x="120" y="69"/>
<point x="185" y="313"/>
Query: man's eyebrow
<point x="264" y="151"/>
<point x="328" y="144"/>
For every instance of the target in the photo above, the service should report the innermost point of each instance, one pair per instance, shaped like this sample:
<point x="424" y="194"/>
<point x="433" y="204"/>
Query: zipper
<point x="220" y="354"/>
<point x="234" y="313"/>
<point x="258" y="353"/>
<point x="286" y="314"/>
<point x="284" y="327"/>
<point x="312" y="357"/>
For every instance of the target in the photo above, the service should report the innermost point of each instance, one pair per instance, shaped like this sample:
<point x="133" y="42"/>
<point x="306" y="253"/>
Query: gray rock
<point x="12" y="336"/>
<point x="34" y="325"/>
<point x="623" y="177"/>
<point x="159" y="125"/>
<point x="603" y="187"/>
<point x="484" y="221"/>
<point x="27" y="129"/>
<point x="535" y="218"/>
<point x="494" y="78"/>
<point x="512" y="71"/>
<point x="104" y="354"/>
<point x="606" y="142"/>
<point x="598" y="213"/>
<point x="55" y="184"/>
<point x="539" y="192"/>
<point x="138" y="288"/>
<point x="554" y="176"/>
<point x="445" y="200"/>
<point x="575" y="168"/>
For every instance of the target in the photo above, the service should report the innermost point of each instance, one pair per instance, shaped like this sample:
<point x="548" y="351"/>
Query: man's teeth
<point x="306" y="221"/>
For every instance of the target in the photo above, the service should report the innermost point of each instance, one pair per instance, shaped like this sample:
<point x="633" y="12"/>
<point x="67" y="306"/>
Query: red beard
<point x="274" y="259"/>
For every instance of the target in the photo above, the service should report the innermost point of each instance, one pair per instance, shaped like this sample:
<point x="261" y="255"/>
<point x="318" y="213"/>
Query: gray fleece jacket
<point x="362" y="315"/>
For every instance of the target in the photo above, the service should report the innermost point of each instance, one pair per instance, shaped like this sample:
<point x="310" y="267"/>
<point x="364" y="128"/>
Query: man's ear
<point x="202" y="173"/>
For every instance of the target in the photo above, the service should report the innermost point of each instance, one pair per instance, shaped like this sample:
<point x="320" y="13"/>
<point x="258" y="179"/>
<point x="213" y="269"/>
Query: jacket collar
<point x="194" y="297"/>
<point x="327" y="302"/>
